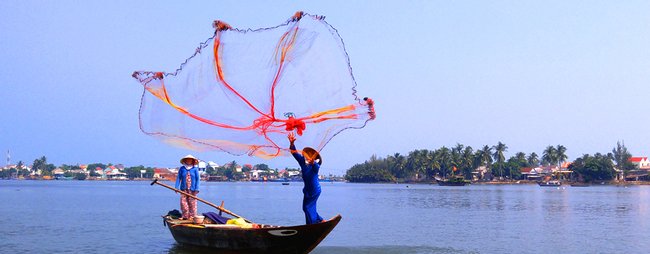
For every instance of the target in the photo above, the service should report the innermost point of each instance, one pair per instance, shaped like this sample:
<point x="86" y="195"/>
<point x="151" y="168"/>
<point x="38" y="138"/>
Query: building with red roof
<point x="164" y="173"/>
<point x="641" y="162"/>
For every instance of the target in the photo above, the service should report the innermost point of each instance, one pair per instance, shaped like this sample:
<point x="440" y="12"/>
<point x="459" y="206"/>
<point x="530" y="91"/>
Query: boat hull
<point x="457" y="181"/>
<point x="227" y="239"/>
<point x="549" y="184"/>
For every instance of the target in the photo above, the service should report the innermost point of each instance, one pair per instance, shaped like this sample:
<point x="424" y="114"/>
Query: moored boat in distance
<point x="228" y="238"/>
<point x="453" y="181"/>
<point x="551" y="183"/>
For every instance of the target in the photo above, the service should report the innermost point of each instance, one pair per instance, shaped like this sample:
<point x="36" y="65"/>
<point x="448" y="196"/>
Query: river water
<point x="124" y="217"/>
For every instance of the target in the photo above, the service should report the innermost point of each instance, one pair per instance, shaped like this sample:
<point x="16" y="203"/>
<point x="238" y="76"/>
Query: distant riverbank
<point x="151" y="179"/>
<point x="519" y="182"/>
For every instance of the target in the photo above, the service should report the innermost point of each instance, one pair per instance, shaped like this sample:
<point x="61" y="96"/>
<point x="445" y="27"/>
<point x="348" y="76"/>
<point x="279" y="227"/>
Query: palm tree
<point x="445" y="160"/>
<point x="549" y="156"/>
<point x="486" y="156"/>
<point x="456" y="156"/>
<point x="467" y="159"/>
<point x="397" y="164"/>
<point x="417" y="162"/>
<point x="40" y="164"/>
<point x="434" y="163"/>
<point x="499" y="149"/>
<point x="520" y="157"/>
<point x="561" y="155"/>
<point x="483" y="157"/>
<point x="476" y="163"/>
<point x="533" y="160"/>
<point x="425" y="162"/>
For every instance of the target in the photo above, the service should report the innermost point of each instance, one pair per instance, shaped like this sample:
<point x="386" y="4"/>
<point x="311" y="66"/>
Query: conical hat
<point x="189" y="156"/>
<point x="309" y="152"/>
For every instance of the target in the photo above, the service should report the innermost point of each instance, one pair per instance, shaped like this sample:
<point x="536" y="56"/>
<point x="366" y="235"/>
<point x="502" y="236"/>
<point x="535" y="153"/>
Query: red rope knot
<point x="158" y="75"/>
<point x="295" y="124"/>
<point x="297" y="16"/>
<point x="219" y="25"/>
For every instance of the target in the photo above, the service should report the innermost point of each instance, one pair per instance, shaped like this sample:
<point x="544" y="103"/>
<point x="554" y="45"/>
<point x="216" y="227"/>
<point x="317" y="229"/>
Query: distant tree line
<point x="600" y="167"/>
<point x="461" y="160"/>
<point x="17" y="171"/>
<point x="136" y="172"/>
<point x="41" y="165"/>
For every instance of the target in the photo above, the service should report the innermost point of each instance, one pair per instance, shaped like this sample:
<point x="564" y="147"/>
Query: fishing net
<point x="243" y="91"/>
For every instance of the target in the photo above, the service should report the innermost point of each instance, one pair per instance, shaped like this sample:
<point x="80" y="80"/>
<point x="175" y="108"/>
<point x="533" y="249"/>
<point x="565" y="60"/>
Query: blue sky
<point x="526" y="73"/>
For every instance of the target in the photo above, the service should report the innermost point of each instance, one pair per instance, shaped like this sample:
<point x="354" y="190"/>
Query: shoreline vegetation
<point x="519" y="182"/>
<point x="210" y="171"/>
<point x="488" y="165"/>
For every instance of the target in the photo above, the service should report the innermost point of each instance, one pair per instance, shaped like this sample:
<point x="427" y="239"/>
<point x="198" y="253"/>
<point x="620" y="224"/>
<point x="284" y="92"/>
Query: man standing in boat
<point x="309" y="162"/>
<point x="188" y="180"/>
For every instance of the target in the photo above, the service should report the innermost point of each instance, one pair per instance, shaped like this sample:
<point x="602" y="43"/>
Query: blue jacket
<point x="309" y="173"/>
<point x="181" y="182"/>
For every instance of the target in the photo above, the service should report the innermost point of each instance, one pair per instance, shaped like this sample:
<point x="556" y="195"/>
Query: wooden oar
<point x="220" y="208"/>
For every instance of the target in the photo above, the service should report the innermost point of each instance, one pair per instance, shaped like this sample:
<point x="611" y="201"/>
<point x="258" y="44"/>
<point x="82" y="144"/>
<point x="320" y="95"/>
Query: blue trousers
<point x="309" y="207"/>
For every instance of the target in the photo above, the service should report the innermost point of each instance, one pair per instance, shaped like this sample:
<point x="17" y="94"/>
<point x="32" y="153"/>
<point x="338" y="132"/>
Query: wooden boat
<point x="453" y="181"/>
<point x="254" y="238"/>
<point x="265" y="239"/>
<point x="580" y="184"/>
<point x="552" y="183"/>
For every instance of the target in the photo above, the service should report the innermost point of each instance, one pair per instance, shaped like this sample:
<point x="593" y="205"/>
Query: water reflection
<point x="392" y="249"/>
<point x="447" y="198"/>
<point x="386" y="250"/>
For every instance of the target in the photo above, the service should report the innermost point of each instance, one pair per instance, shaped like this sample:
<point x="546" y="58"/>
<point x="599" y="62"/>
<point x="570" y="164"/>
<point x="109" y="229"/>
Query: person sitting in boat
<point x="309" y="162"/>
<point x="188" y="181"/>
